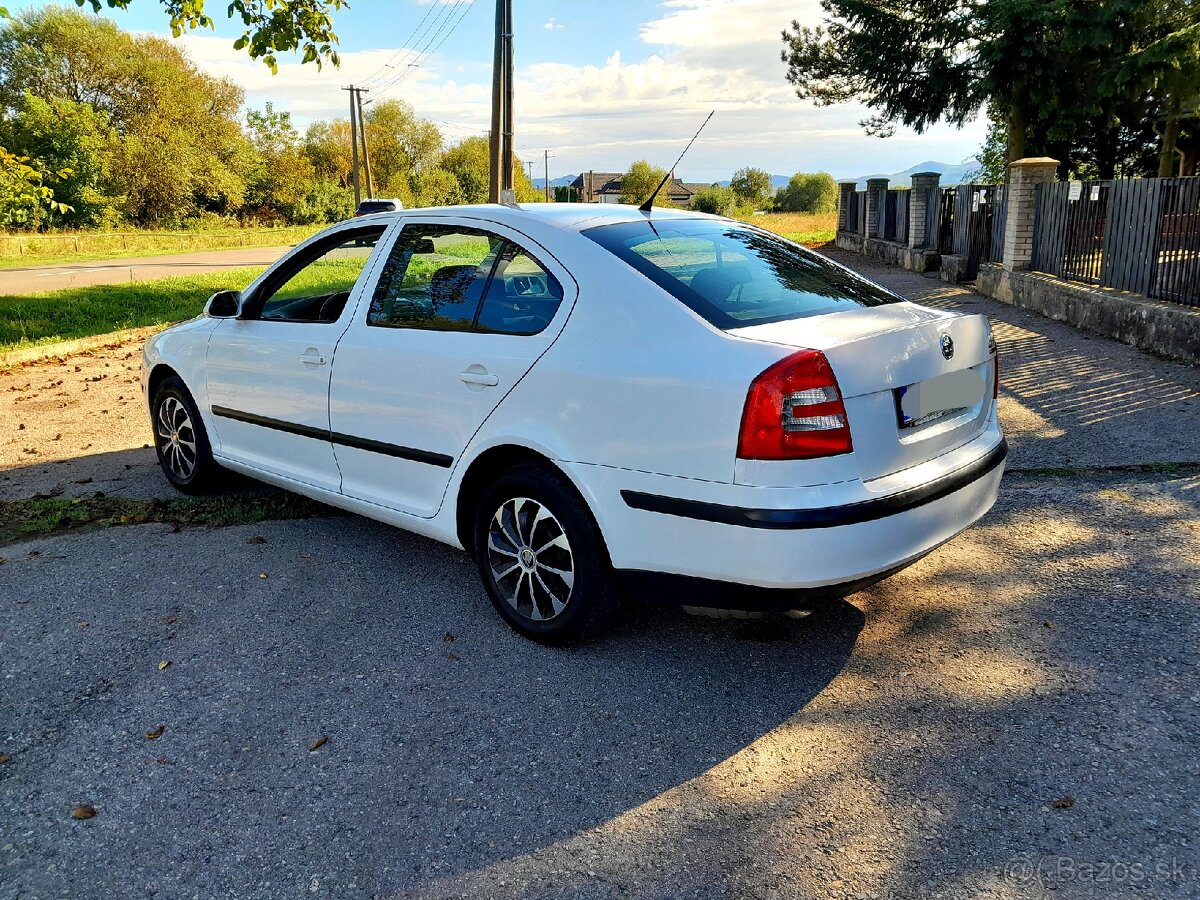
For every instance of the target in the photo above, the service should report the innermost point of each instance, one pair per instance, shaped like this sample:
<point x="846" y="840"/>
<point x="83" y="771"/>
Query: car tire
<point x="542" y="558"/>
<point x="184" y="453"/>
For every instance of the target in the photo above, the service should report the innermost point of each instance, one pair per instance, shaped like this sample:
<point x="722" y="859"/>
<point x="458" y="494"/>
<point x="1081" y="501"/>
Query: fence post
<point x="1024" y="176"/>
<point x="876" y="193"/>
<point x="924" y="186"/>
<point x="845" y="190"/>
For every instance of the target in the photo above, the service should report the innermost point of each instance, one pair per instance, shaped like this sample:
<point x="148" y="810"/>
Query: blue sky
<point x="599" y="84"/>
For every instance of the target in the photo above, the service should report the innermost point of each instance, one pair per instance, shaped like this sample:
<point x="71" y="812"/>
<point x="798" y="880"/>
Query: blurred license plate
<point x="938" y="397"/>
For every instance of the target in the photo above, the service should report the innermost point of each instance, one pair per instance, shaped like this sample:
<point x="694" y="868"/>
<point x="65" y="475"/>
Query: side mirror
<point x="224" y="305"/>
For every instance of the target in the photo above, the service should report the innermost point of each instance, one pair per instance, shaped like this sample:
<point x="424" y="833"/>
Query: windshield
<point x="733" y="275"/>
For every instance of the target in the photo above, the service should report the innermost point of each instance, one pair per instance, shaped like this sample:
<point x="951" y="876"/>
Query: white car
<point x="594" y="402"/>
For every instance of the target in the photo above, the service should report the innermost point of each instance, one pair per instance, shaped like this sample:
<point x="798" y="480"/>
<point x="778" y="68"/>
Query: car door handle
<point x="312" y="357"/>
<point x="481" y="378"/>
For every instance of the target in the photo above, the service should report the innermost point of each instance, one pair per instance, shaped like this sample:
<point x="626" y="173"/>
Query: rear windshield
<point x="734" y="275"/>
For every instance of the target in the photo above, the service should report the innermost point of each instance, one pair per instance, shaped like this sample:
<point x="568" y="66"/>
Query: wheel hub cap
<point x="530" y="559"/>
<point x="176" y="437"/>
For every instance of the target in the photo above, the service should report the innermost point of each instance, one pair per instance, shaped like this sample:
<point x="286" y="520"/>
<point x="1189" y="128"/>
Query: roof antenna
<point x="649" y="204"/>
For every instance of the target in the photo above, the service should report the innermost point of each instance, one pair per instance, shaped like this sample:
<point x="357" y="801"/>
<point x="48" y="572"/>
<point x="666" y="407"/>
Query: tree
<point x="281" y="174"/>
<point x="752" y="187"/>
<point x="639" y="183"/>
<point x="60" y="135"/>
<point x="177" y="146"/>
<point x="1042" y="65"/>
<point x="720" y="201"/>
<point x="401" y="146"/>
<point x="271" y="26"/>
<point x="810" y="193"/>
<point x="23" y="191"/>
<point x="468" y="161"/>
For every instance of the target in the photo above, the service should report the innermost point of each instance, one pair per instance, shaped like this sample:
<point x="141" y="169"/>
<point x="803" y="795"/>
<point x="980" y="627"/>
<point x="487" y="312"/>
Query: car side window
<point x="522" y="297"/>
<point x="434" y="278"/>
<point x="316" y="288"/>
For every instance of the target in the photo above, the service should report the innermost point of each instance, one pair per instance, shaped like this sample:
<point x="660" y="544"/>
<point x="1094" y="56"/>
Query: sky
<point x="598" y="84"/>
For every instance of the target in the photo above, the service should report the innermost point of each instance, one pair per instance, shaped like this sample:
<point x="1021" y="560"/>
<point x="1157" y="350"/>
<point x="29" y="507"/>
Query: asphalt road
<point x="1015" y="716"/>
<point x="114" y="271"/>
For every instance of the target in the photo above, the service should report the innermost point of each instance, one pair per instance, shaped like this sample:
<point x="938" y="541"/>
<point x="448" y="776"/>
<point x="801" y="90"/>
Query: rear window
<point x="733" y="275"/>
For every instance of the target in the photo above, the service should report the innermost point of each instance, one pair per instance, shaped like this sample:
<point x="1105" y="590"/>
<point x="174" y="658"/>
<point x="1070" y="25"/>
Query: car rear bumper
<point x="836" y="539"/>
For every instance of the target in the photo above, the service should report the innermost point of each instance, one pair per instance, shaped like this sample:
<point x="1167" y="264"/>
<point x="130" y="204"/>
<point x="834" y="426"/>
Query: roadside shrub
<point x="720" y="201"/>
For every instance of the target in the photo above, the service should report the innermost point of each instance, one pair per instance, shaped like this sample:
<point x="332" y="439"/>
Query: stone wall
<point x="1165" y="329"/>
<point x="889" y="252"/>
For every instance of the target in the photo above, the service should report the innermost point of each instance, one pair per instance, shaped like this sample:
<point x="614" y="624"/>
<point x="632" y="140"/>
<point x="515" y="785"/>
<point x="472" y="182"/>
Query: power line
<point x="405" y="46"/>
<point x="430" y="47"/>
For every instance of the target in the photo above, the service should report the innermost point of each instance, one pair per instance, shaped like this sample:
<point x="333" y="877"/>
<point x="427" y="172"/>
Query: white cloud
<point x="646" y="102"/>
<point x="552" y="25"/>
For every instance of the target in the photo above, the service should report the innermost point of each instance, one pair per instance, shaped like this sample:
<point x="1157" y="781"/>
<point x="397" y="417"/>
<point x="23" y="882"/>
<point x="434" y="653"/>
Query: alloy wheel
<point x="530" y="559"/>
<point x="177" y="437"/>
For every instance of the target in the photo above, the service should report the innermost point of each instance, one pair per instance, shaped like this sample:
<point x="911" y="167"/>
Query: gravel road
<point x="1015" y="716"/>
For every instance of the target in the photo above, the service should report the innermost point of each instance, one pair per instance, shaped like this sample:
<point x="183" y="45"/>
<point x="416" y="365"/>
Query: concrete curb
<point x="28" y="355"/>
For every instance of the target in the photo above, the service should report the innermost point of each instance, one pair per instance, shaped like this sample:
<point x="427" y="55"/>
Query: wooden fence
<point x="1140" y="235"/>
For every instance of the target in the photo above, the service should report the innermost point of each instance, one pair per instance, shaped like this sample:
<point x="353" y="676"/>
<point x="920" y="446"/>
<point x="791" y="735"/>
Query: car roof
<point x="568" y="216"/>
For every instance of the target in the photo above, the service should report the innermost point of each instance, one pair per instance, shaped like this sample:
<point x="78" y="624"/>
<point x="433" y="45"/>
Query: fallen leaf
<point x="452" y="657"/>
<point x="163" y="664"/>
<point x="257" y="539"/>
<point x="318" y="744"/>
<point x="85" y="624"/>
<point x="4" y="757"/>
<point x="156" y="733"/>
<point x="1063" y="803"/>
<point x="448" y="638"/>
<point x="84" y="811"/>
<point x="1048" y="625"/>
<point x="263" y="575"/>
<point x="22" y="602"/>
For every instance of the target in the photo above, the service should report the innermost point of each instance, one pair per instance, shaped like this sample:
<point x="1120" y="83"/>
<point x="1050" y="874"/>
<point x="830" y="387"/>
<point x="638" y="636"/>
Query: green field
<point x="86" y="311"/>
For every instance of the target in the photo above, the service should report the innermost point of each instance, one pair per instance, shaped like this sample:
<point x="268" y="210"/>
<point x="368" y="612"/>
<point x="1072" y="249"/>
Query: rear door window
<point x="522" y="297"/>
<point x="434" y="278"/>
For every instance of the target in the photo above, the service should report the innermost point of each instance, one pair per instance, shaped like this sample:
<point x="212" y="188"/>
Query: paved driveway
<point x="1015" y="716"/>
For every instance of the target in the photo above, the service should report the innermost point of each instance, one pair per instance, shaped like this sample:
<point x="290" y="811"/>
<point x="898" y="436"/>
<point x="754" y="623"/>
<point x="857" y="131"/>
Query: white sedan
<point x="594" y="401"/>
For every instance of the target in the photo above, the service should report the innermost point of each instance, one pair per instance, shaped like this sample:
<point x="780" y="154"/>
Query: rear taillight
<point x="794" y="410"/>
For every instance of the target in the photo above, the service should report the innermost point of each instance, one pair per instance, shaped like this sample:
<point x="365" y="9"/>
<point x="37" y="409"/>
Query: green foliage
<point x="467" y="161"/>
<point x="1069" y="79"/>
<point x="639" y="183"/>
<point x="436" y="187"/>
<point x="100" y="309"/>
<point x="809" y="193"/>
<point x="280" y="175"/>
<point x="752" y="187"/>
<point x="73" y="138"/>
<point x="23" y="193"/>
<point x="720" y="201"/>
<point x="271" y="26"/>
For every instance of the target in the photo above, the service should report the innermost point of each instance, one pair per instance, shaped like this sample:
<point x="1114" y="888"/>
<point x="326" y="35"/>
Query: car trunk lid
<point x="917" y="382"/>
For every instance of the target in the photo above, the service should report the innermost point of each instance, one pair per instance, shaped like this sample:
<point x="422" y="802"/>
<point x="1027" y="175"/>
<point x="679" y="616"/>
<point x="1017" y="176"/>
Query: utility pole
<point x="362" y="134"/>
<point x="546" y="159"/>
<point x="529" y="167"/>
<point x="501" y="138"/>
<point x="354" y="144"/>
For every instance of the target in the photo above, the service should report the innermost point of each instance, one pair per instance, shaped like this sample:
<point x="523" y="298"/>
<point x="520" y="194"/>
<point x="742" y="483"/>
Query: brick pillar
<point x="845" y="190"/>
<point x="1024" y="176"/>
<point x="876" y="189"/>
<point x="923" y="184"/>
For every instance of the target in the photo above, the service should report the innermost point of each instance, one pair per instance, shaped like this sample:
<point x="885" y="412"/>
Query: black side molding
<point x="821" y="517"/>
<point x="346" y="440"/>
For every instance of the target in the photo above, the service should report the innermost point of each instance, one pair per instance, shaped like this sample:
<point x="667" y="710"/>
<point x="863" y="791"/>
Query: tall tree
<point x="1036" y="61"/>
<point x="640" y="181"/>
<point x="752" y="186"/>
<point x="810" y="193"/>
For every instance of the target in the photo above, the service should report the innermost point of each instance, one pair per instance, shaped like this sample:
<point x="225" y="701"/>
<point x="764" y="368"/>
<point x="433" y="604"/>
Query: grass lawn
<point x="100" y="309"/>
<point x="803" y="228"/>
<point x="24" y="250"/>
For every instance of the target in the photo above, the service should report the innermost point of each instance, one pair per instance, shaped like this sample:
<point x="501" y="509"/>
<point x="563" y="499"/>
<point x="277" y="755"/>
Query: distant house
<point x="605" y="187"/>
